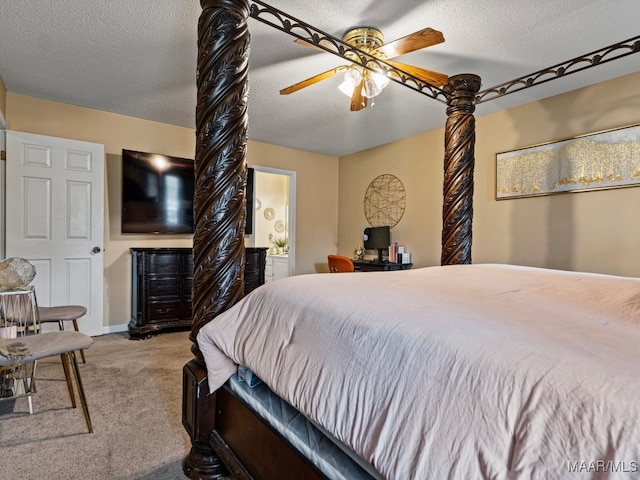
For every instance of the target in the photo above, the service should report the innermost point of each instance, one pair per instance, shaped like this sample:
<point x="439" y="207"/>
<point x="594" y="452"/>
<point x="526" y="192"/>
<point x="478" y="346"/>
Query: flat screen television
<point x="248" y="228"/>
<point x="157" y="193"/>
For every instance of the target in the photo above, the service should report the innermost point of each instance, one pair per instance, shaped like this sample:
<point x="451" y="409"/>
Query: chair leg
<point x="32" y="386"/>
<point x="75" y="325"/>
<point x="67" y="376"/>
<point x="26" y="381"/>
<point x="83" y="398"/>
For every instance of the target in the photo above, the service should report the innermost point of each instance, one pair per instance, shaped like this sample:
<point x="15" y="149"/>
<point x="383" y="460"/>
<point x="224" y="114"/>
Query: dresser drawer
<point x="254" y="259"/>
<point x="163" y="311"/>
<point x="187" y="312"/>
<point x="188" y="264"/>
<point x="163" y="287"/>
<point x="249" y="287"/>
<point x="187" y="285"/>
<point x="163" y="264"/>
<point x="254" y="268"/>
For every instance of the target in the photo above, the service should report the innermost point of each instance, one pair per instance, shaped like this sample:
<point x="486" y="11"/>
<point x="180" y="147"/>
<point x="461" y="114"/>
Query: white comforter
<point x="458" y="372"/>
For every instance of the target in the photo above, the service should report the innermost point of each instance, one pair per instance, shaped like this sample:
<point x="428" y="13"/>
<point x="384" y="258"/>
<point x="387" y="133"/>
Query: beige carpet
<point x="133" y="389"/>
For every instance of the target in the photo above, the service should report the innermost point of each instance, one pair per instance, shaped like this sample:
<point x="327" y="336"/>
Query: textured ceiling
<point x="138" y="58"/>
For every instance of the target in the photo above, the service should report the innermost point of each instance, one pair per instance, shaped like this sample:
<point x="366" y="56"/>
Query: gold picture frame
<point x="594" y="161"/>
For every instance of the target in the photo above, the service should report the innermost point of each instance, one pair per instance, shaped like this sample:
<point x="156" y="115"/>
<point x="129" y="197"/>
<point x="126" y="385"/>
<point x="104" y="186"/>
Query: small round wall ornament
<point x="279" y="226"/>
<point x="269" y="213"/>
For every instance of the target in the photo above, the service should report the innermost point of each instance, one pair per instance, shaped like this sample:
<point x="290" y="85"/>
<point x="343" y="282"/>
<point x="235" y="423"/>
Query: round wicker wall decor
<point x="385" y="201"/>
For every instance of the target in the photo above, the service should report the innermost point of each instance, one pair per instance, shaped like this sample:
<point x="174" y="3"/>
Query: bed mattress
<point x="466" y="371"/>
<point x="334" y="459"/>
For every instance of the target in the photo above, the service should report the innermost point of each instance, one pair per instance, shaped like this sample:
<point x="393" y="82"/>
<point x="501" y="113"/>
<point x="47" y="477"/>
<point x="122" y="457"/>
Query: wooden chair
<point x="340" y="264"/>
<point x="61" y="314"/>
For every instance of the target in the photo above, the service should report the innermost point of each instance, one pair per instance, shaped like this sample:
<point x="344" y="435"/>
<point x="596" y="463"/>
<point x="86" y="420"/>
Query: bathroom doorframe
<point x="291" y="215"/>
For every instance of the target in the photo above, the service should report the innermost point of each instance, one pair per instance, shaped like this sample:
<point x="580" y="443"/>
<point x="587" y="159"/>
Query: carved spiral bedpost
<point x="219" y="205"/>
<point x="457" y="209"/>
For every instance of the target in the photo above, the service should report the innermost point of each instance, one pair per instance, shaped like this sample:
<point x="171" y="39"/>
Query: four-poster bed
<point x="227" y="435"/>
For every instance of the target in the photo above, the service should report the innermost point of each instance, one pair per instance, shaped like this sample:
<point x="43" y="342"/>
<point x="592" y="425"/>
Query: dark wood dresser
<point x="254" y="265"/>
<point x="161" y="281"/>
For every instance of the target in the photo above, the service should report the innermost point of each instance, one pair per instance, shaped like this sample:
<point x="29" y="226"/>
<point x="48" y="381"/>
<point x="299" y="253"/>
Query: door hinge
<point x="3" y="155"/>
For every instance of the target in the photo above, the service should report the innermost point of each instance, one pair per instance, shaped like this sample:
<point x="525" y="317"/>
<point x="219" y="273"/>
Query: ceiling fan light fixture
<point x="346" y="87"/>
<point x="374" y="84"/>
<point x="352" y="78"/>
<point x="353" y="75"/>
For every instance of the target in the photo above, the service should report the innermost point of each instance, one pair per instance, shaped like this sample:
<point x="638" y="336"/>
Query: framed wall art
<point x="607" y="159"/>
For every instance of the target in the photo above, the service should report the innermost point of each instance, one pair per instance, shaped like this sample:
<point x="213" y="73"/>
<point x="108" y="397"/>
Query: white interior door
<point x="54" y="219"/>
<point x="3" y="202"/>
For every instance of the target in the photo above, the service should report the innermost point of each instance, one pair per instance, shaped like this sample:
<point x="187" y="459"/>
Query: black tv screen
<point x="157" y="193"/>
<point x="248" y="228"/>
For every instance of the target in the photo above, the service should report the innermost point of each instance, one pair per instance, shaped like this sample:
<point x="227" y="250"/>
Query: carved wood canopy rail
<point x="220" y="169"/>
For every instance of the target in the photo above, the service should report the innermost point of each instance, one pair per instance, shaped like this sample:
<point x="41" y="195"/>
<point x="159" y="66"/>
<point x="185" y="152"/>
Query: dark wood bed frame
<point x="228" y="440"/>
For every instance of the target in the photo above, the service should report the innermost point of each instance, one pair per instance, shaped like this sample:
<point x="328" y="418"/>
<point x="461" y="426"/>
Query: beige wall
<point x="3" y="102"/>
<point x="317" y="178"/>
<point x="594" y="231"/>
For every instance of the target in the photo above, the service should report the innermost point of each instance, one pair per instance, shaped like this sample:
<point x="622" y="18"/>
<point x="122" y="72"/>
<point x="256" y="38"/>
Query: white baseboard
<point x="123" y="327"/>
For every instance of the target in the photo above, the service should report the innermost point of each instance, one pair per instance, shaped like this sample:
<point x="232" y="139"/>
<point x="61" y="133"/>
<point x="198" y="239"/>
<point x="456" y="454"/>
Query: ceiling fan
<point x="362" y="84"/>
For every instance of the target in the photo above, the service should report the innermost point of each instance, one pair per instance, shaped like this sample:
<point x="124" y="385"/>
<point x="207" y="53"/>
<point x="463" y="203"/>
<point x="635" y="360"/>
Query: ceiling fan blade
<point x="325" y="43"/>
<point x="358" y="100"/>
<point x="414" y="41"/>
<point x="312" y="80"/>
<point x="429" y="76"/>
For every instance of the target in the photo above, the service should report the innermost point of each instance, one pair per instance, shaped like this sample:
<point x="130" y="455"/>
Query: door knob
<point x="95" y="250"/>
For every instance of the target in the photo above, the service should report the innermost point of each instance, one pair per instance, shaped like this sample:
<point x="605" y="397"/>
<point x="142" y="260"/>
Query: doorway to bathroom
<point x="274" y="219"/>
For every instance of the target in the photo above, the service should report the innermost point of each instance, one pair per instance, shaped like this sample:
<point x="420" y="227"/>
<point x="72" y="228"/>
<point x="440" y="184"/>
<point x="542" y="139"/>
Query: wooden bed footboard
<point x="230" y="441"/>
